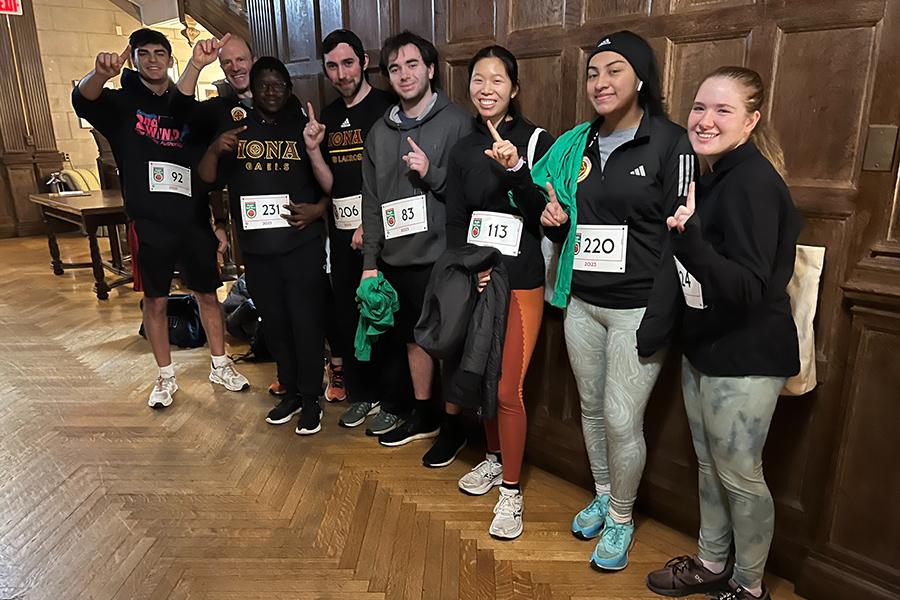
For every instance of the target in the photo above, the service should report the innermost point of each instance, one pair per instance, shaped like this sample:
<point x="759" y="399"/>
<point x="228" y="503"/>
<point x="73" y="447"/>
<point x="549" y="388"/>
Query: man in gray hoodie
<point x="404" y="178"/>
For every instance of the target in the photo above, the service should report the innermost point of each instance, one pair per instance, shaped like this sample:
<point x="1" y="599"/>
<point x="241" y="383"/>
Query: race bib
<point x="166" y="177"/>
<point x="404" y="217"/>
<point x="600" y="248"/>
<point x="497" y="230"/>
<point x="347" y="212"/>
<point x="264" y="212"/>
<point x="690" y="287"/>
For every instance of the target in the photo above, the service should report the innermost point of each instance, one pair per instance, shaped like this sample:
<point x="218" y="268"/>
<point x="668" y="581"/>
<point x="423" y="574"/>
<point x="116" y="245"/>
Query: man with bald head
<point x="236" y="58"/>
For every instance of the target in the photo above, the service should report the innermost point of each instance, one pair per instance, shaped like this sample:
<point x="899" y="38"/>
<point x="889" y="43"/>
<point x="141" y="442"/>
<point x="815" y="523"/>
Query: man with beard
<point x="343" y="128"/>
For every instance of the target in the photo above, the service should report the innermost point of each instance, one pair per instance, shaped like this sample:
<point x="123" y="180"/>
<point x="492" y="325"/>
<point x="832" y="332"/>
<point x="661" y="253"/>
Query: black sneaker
<point x="450" y="441"/>
<point x="416" y="427"/>
<point x="284" y="410"/>
<point x="686" y="575"/>
<point x="736" y="592"/>
<point x="310" y="420"/>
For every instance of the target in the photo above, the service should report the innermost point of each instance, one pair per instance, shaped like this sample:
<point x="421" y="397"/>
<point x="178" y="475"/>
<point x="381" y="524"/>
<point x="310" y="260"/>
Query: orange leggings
<point x="506" y="433"/>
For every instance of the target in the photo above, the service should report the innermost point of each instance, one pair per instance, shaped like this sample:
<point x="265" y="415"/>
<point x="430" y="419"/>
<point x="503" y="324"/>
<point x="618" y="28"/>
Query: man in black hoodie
<point x="145" y="123"/>
<point x="404" y="179"/>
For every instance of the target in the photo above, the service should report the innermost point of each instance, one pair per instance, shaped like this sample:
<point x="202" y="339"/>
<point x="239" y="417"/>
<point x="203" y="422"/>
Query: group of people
<point x="661" y="237"/>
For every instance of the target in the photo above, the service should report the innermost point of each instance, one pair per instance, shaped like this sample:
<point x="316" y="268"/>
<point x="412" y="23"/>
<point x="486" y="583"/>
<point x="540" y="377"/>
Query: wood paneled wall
<point x="831" y="457"/>
<point x="27" y="145"/>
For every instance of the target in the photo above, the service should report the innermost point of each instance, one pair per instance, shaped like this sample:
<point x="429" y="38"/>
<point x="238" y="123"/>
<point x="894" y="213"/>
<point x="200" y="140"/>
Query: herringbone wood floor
<point x="101" y="497"/>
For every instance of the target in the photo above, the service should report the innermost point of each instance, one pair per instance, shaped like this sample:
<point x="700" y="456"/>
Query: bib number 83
<point x="407" y="214"/>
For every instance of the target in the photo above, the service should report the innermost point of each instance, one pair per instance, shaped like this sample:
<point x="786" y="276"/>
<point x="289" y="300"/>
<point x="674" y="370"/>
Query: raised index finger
<point x="223" y="40"/>
<point x="310" y="112"/>
<point x="552" y="193"/>
<point x="691" y="201"/>
<point x="493" y="131"/>
<point x="413" y="144"/>
<point x="125" y="54"/>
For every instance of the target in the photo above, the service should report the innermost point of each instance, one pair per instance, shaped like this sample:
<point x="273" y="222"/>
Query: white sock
<point x="715" y="567"/>
<point x="617" y="517"/>
<point x="167" y="371"/>
<point x="602" y="488"/>
<point x="219" y="361"/>
<point x="756" y="591"/>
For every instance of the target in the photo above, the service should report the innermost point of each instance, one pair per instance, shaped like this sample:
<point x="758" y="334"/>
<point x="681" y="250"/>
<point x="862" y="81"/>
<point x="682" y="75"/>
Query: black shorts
<point x="410" y="284"/>
<point x="157" y="250"/>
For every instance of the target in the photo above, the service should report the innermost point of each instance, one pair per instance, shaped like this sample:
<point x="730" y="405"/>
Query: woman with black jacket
<point x="734" y="255"/>
<point x="486" y="169"/>
<point x="611" y="184"/>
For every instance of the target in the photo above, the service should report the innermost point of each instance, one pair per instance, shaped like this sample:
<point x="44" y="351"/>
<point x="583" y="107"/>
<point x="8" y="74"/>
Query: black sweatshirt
<point x="740" y="245"/>
<point x="477" y="182"/>
<point x="346" y="130"/>
<point x="641" y="184"/>
<point x="271" y="158"/>
<point x="143" y="127"/>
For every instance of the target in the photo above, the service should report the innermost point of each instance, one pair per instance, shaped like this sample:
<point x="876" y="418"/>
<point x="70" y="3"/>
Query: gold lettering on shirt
<point x="345" y="146"/>
<point x="275" y="154"/>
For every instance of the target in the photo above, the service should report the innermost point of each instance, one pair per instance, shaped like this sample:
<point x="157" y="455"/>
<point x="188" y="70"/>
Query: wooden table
<point x="89" y="212"/>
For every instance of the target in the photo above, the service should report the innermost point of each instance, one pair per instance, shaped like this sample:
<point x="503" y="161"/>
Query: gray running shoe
<point x="357" y="413"/>
<point x="383" y="423"/>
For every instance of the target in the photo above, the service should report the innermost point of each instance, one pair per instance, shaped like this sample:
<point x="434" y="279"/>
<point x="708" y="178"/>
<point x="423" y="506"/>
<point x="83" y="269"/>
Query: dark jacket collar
<point x="643" y="130"/>
<point x="131" y="83"/>
<point x="505" y="127"/>
<point x="732" y="159"/>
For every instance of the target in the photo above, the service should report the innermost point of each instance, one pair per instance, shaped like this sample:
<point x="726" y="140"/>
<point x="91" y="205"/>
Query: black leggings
<point x="385" y="378"/>
<point x="289" y="291"/>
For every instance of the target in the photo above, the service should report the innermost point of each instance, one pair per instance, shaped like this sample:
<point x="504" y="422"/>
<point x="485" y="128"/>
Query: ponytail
<point x="762" y="135"/>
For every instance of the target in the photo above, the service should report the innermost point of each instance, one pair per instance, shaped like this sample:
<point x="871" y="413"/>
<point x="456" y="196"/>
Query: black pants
<point x="385" y="378"/>
<point x="289" y="291"/>
<point x="410" y="284"/>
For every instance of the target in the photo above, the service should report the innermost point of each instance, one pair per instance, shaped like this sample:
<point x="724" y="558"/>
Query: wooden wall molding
<point x="796" y="45"/>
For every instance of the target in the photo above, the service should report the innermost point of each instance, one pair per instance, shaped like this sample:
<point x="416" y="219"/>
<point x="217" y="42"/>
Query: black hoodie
<point x="142" y="127"/>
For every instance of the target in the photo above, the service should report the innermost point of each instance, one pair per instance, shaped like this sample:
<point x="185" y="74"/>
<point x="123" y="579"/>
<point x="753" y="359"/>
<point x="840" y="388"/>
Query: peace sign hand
<point x="503" y="151"/>
<point x="683" y="213"/>
<point x="109" y="64"/>
<point x="416" y="160"/>
<point x="553" y="215"/>
<point x="313" y="132"/>
<point x="206" y="51"/>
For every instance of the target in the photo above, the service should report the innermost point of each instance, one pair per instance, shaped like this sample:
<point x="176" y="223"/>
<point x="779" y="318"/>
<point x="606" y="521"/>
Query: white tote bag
<point x="803" y="288"/>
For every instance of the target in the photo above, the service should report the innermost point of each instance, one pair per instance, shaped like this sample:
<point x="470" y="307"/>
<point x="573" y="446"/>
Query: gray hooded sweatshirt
<point x="387" y="178"/>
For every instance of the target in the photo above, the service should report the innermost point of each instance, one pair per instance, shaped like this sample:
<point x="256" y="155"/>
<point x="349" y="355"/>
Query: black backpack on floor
<point x="185" y="327"/>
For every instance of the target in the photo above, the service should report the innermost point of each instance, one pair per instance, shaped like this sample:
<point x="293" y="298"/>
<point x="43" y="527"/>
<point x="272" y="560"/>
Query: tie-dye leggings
<point x="729" y="419"/>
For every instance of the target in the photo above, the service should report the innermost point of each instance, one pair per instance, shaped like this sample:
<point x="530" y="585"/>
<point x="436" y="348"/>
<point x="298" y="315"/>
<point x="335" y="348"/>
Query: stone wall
<point x="71" y="33"/>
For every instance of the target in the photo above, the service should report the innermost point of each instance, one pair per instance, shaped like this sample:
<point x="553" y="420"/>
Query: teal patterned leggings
<point x="729" y="419"/>
<point x="614" y="384"/>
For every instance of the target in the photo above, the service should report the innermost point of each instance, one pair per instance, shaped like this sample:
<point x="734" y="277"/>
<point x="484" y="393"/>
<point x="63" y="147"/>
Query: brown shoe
<point x="335" y="391"/>
<point x="686" y="575"/>
<point x="276" y="389"/>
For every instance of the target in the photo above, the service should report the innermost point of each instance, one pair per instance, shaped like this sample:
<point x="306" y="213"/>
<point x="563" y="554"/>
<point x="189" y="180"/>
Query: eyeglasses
<point x="272" y="86"/>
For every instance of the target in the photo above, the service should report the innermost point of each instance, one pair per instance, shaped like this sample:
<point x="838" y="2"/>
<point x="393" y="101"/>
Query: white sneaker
<point x="227" y="376"/>
<point x="162" y="393"/>
<point x="507" y="523"/>
<point x="479" y="481"/>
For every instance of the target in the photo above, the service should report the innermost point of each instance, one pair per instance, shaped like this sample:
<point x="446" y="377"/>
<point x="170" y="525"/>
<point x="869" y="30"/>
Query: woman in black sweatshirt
<point x="278" y="206"/>
<point x="734" y="255"/>
<point x="486" y="169"/>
